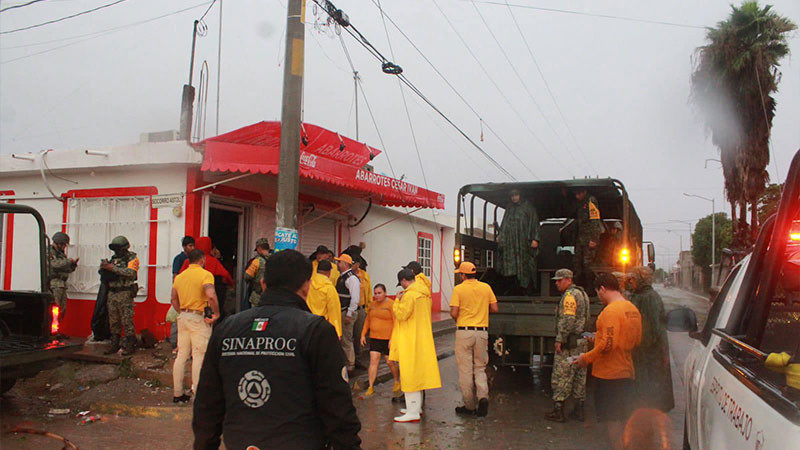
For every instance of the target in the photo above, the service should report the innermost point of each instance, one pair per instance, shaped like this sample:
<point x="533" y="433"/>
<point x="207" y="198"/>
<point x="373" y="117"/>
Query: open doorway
<point x="225" y="228"/>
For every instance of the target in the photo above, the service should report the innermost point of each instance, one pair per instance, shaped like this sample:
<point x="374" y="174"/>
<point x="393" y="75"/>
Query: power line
<point x="450" y="85"/>
<point x="602" y="16"/>
<point x="360" y="39"/>
<point x="528" y="91"/>
<point x="93" y="35"/>
<point x="547" y="86"/>
<point x="207" y="10"/>
<point x="20" y="5"/>
<point x="61" y="19"/>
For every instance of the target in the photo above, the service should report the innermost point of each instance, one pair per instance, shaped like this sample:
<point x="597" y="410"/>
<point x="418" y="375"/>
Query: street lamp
<point x="713" y="232"/>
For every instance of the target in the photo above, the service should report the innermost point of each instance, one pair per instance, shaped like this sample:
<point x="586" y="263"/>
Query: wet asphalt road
<point x="517" y="407"/>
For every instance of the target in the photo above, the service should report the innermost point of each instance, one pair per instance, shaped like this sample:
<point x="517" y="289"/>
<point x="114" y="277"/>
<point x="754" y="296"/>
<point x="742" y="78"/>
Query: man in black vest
<point x="274" y="376"/>
<point x="349" y="288"/>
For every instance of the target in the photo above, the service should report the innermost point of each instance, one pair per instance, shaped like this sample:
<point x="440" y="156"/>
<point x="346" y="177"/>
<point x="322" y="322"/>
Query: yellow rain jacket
<point x="323" y="300"/>
<point x="334" y="271"/>
<point x="365" y="299"/>
<point x="423" y="285"/>
<point x="413" y="341"/>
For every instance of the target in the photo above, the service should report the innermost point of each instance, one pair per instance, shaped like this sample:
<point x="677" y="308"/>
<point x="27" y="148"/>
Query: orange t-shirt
<point x="380" y="320"/>
<point x="619" y="330"/>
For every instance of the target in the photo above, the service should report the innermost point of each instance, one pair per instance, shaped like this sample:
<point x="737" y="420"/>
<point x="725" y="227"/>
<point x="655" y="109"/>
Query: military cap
<point x="563" y="273"/>
<point x="60" y="238"/>
<point x="262" y="243"/>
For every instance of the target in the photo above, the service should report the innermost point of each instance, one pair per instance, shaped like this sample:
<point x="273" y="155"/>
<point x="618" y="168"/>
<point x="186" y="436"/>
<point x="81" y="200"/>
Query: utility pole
<point x="713" y="233"/>
<point x="289" y="163"/>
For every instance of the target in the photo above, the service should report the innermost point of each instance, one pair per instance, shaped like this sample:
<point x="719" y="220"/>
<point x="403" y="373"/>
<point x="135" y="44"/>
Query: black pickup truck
<point x="28" y="320"/>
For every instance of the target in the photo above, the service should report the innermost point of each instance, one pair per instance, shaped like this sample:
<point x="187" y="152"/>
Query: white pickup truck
<point x="743" y="372"/>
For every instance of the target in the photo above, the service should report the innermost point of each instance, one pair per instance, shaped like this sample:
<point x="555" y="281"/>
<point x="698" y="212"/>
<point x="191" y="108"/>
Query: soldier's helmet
<point x="262" y="243"/>
<point x="119" y="243"/>
<point x="61" y="238"/>
<point x="642" y="276"/>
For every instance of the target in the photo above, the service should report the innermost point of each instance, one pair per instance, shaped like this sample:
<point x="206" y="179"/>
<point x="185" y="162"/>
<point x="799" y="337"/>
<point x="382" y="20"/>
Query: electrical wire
<point x="602" y="16"/>
<point x="207" y="10"/>
<point x="353" y="32"/>
<point x="93" y="35"/>
<point x="20" y="5"/>
<point x="528" y="91"/>
<point x="61" y="19"/>
<point x="547" y="87"/>
<point x="458" y="94"/>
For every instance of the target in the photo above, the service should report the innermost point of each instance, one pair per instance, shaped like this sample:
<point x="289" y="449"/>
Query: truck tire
<point x="6" y="384"/>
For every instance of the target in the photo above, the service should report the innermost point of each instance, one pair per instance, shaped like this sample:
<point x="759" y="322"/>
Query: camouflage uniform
<point x="122" y="288"/>
<point x="651" y="357"/>
<point x="572" y="315"/>
<point x="60" y="268"/>
<point x="519" y="229"/>
<point x="590" y="226"/>
<point x="254" y="275"/>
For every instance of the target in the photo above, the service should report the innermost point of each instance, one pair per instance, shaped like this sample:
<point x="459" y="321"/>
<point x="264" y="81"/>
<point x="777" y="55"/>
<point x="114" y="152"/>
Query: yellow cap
<point x="346" y="258"/>
<point x="466" y="267"/>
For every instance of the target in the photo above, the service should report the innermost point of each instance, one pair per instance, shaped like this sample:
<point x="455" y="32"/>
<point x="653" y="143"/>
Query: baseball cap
<point x="466" y="267"/>
<point x="563" y="273"/>
<point x="346" y="258"/>
<point x="405" y="274"/>
<point x="414" y="267"/>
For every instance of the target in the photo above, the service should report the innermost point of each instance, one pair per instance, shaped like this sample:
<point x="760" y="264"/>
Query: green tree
<point x="769" y="201"/>
<point x="735" y="75"/>
<point x="701" y="240"/>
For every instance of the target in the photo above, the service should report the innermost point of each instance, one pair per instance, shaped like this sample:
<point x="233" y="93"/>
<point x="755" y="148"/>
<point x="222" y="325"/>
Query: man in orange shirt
<point x="619" y="331"/>
<point x="470" y="307"/>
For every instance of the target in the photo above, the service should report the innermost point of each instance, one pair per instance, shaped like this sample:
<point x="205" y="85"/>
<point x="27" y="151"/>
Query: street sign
<point x="167" y="200"/>
<point x="285" y="239"/>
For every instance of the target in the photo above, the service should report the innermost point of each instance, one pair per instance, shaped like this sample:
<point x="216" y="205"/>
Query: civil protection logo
<point x="254" y="389"/>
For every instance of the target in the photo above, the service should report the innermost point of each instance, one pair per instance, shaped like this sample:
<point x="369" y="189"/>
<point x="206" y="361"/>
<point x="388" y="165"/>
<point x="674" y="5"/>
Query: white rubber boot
<point x="413" y="408"/>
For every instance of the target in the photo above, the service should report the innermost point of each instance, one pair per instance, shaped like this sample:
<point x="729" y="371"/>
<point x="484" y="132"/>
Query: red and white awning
<point x="328" y="158"/>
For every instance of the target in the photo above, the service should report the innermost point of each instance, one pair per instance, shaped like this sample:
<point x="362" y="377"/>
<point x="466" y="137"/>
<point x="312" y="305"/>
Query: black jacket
<point x="272" y="378"/>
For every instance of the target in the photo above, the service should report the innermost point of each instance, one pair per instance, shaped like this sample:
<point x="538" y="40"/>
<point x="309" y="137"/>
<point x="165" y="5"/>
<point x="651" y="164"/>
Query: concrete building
<point x="224" y="187"/>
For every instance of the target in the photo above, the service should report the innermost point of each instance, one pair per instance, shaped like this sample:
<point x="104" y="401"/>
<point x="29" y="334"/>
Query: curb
<point x="156" y="412"/>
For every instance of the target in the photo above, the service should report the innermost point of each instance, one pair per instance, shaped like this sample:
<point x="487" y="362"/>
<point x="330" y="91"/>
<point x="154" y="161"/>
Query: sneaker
<point x="369" y="392"/>
<point x="464" y="411"/>
<point x="483" y="407"/>
<point x="182" y="399"/>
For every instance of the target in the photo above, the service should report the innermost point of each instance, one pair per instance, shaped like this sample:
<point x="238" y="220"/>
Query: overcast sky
<point x="622" y="88"/>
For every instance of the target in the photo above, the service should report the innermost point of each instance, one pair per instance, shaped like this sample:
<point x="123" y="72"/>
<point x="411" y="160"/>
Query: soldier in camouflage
<point x="590" y="227"/>
<point x="60" y="268"/>
<point x="121" y="272"/>
<point x="572" y="317"/>
<point x="518" y="242"/>
<point x="255" y="271"/>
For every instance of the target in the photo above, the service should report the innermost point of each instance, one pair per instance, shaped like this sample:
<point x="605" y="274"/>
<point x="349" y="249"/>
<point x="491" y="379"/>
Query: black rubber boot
<point x="578" y="413"/>
<point x="129" y="347"/>
<point x="114" y="345"/>
<point x="483" y="407"/>
<point x="557" y="414"/>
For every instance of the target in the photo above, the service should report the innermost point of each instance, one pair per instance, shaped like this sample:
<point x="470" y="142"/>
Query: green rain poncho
<point x="520" y="227"/>
<point x="651" y="357"/>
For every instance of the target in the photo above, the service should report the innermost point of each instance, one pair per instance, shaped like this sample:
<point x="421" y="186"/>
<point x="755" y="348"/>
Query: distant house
<point x="226" y="188"/>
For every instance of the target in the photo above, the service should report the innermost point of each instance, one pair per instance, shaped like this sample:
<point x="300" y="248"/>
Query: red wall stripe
<point x="9" y="245"/>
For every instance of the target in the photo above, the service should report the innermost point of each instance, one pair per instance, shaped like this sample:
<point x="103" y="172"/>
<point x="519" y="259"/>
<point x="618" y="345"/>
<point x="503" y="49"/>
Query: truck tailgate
<point x="18" y="349"/>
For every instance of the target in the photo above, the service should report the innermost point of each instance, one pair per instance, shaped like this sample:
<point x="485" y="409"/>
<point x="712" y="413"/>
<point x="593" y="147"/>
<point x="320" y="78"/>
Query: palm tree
<point x="735" y="77"/>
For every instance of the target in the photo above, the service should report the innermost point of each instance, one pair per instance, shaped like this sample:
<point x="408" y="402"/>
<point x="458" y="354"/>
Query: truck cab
<point x="29" y="325"/>
<point x="523" y="331"/>
<point x="742" y="376"/>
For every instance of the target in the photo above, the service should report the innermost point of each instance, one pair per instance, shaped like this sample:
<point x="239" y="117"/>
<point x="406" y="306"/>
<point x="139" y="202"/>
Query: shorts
<point x="379" y="345"/>
<point x="613" y="399"/>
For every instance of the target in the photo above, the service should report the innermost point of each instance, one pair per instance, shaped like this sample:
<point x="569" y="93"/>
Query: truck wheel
<point x="6" y="384"/>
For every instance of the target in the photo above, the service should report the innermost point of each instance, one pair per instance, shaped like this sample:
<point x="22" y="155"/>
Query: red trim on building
<point x="194" y="203"/>
<point x="436" y="297"/>
<point x="9" y="245"/>
<point x="148" y="314"/>
<point x="441" y="263"/>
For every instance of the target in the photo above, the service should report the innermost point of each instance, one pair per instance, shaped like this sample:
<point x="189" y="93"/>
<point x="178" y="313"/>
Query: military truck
<point x="522" y="333"/>
<point x="29" y="328"/>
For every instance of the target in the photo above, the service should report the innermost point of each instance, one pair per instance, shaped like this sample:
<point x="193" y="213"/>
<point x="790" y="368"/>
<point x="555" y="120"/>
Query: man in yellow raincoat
<point x="321" y="254"/>
<point x="322" y="299"/>
<point x="414" y="345"/>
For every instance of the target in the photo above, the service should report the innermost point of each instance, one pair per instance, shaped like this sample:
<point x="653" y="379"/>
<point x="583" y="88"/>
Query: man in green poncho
<point x="518" y="242"/>
<point x="651" y="357"/>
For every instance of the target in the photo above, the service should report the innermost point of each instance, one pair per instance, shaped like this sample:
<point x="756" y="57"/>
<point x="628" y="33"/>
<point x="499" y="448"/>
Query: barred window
<point x="424" y="246"/>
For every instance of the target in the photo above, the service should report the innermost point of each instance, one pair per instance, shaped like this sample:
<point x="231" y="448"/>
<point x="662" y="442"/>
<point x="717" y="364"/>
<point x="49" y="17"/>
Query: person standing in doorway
<point x="122" y="271"/>
<point x="177" y="263"/>
<point x="192" y="291"/>
<point x="349" y="289"/>
<point x="323" y="300"/>
<point x="222" y="279"/>
<point x="470" y="306"/>
<point x="379" y="324"/>
<point x="60" y="269"/>
<point x="255" y="271"/>
<point x="572" y="317"/>
<point x="416" y="351"/>
<point x="619" y="331"/>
